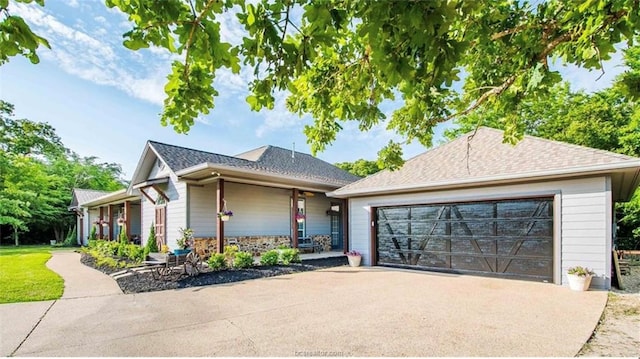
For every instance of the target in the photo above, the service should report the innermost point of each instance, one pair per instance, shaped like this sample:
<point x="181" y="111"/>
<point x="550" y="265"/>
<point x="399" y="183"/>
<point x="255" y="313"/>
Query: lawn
<point x="24" y="277"/>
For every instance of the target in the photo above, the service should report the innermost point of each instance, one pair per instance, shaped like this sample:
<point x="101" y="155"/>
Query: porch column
<point x="127" y="211"/>
<point x="220" y="222"/>
<point x="81" y="227"/>
<point x="100" y="233"/>
<point x="111" y="231"/>
<point x="294" y="223"/>
<point x="345" y="225"/>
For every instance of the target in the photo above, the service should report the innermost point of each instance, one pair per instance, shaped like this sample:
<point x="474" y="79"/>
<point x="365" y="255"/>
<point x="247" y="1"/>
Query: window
<point x="302" y="225"/>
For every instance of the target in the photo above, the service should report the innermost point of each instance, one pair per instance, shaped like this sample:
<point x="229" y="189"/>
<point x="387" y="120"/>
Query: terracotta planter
<point x="579" y="283"/>
<point x="354" y="261"/>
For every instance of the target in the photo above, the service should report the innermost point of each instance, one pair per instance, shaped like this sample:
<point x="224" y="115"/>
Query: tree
<point x="16" y="38"/>
<point x="608" y="120"/>
<point x="152" y="245"/>
<point x="37" y="175"/>
<point x="361" y="167"/>
<point x="340" y="60"/>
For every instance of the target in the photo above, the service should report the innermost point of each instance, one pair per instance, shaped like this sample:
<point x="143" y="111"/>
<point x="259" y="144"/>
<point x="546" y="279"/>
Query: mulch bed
<point x="144" y="281"/>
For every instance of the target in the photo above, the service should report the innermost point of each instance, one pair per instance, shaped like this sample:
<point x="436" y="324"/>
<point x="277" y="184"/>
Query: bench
<point x="309" y="243"/>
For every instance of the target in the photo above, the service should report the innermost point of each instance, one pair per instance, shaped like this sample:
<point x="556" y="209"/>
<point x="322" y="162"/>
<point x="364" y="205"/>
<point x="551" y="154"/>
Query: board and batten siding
<point x="583" y="227"/>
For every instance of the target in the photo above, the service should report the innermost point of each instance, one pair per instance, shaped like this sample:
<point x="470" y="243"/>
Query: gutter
<point x="287" y="179"/>
<point x="492" y="180"/>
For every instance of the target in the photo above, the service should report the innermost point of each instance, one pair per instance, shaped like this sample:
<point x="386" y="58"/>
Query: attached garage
<point x="505" y="238"/>
<point x="480" y="207"/>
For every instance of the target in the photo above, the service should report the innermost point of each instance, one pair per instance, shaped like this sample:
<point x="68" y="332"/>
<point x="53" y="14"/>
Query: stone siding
<point x="324" y="240"/>
<point x="255" y="245"/>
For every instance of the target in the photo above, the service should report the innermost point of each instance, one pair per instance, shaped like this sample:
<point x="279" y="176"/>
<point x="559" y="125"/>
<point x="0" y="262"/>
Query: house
<point x="478" y="206"/>
<point x="277" y="197"/>
<point x="104" y="210"/>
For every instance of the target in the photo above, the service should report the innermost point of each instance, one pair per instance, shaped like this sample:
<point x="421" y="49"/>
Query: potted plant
<point x="225" y="215"/>
<point x="354" y="258"/>
<point x="300" y="217"/>
<point x="579" y="278"/>
<point x="184" y="242"/>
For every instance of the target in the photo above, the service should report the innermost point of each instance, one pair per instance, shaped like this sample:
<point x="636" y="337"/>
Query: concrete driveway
<point x="341" y="311"/>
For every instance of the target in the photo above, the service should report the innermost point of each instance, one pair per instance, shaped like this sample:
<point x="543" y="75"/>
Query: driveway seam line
<point x="32" y="329"/>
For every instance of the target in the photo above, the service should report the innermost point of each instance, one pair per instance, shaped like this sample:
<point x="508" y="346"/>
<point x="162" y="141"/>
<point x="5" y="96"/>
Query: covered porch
<point x="113" y="213"/>
<point x="268" y="212"/>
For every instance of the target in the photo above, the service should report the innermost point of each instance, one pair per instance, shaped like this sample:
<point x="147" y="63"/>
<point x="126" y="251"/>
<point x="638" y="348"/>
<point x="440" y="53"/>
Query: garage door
<point x="506" y="238"/>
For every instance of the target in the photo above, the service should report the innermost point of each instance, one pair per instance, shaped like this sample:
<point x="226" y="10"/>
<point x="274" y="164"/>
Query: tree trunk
<point x="15" y="236"/>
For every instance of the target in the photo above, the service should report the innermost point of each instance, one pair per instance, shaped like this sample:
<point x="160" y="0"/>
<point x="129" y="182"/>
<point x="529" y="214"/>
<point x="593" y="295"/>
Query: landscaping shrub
<point x="152" y="245"/>
<point x="71" y="239"/>
<point x="270" y="258"/>
<point x="289" y="255"/>
<point x="243" y="260"/>
<point x="94" y="234"/>
<point x="135" y="253"/>
<point x="107" y="248"/>
<point x="217" y="261"/>
<point x="230" y="254"/>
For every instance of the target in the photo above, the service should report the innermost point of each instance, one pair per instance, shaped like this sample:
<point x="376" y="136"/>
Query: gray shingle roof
<point x="482" y="157"/>
<point x="266" y="159"/>
<point x="81" y="196"/>
<point x="179" y="158"/>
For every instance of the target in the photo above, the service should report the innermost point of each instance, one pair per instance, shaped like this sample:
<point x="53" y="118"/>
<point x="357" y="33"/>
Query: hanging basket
<point x="224" y="218"/>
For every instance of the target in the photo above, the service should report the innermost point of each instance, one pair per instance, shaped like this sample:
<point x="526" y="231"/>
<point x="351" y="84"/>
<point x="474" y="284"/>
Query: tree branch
<point x="195" y="23"/>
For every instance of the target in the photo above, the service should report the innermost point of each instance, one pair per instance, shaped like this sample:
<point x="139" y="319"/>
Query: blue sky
<point x="104" y="100"/>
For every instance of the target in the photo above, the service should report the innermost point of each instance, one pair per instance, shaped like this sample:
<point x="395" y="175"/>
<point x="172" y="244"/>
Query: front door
<point x="336" y="226"/>
<point x="161" y="214"/>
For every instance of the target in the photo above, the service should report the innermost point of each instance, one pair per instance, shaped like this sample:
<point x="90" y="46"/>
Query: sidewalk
<point x="17" y="320"/>
<point x="79" y="280"/>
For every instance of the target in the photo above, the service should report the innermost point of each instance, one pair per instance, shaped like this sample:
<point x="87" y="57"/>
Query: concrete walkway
<point x="338" y="311"/>
<point x="79" y="280"/>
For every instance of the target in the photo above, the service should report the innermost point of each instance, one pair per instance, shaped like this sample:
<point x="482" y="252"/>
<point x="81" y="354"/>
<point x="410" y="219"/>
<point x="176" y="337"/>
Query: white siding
<point x="147" y="210"/>
<point x="585" y="237"/>
<point x="157" y="172"/>
<point x="176" y="211"/>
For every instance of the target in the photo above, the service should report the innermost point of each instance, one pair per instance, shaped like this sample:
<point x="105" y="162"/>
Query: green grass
<point x="24" y="276"/>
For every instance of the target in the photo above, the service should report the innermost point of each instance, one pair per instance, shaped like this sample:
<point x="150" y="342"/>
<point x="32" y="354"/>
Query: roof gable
<point x="81" y="196"/>
<point x="266" y="160"/>
<point x="480" y="156"/>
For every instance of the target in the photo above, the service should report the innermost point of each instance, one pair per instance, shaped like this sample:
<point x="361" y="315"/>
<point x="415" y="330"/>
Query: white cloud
<point x="231" y="30"/>
<point x="278" y="118"/>
<point x="73" y="3"/>
<point x="101" y="20"/>
<point x="89" y="58"/>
